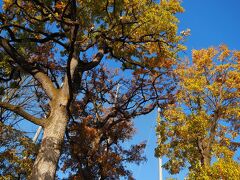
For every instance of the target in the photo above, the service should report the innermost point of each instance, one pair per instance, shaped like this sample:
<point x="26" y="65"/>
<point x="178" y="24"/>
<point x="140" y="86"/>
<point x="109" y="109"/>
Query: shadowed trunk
<point x="47" y="159"/>
<point x="206" y="158"/>
<point x="205" y="152"/>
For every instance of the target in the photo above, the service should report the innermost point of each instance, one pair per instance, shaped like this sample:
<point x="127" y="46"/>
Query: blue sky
<point x="212" y="22"/>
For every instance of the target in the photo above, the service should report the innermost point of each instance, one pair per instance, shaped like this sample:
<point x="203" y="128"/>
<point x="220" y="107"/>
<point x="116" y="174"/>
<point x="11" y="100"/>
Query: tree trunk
<point x="206" y="158"/>
<point x="47" y="159"/>
<point x="205" y="151"/>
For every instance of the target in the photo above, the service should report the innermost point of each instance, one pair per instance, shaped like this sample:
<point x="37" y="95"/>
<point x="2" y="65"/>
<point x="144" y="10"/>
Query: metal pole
<point x="160" y="175"/>
<point x="34" y="139"/>
<point x="116" y="95"/>
<point x="37" y="134"/>
<point x="160" y="168"/>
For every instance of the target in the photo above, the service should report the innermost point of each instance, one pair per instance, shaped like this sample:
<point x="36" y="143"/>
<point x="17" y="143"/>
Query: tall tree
<point x="202" y="126"/>
<point x="141" y="35"/>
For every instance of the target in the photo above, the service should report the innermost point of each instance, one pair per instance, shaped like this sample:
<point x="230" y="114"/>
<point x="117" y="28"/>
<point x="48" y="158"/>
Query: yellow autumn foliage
<point x="202" y="127"/>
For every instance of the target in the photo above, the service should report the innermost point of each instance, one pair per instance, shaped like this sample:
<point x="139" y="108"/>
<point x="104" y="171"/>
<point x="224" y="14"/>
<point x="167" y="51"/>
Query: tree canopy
<point x="202" y="126"/>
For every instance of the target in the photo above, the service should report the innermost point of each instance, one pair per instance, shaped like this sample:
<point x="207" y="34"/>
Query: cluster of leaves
<point x="225" y="168"/>
<point x="100" y="154"/>
<point x="16" y="154"/>
<point x="203" y="123"/>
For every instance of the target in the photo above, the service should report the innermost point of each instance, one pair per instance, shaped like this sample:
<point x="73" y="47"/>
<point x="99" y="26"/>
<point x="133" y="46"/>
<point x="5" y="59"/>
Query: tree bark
<point x="206" y="157"/>
<point x="205" y="152"/>
<point x="47" y="159"/>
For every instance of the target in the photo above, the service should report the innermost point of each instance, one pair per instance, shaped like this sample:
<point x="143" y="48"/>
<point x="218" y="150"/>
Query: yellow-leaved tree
<point x="201" y="129"/>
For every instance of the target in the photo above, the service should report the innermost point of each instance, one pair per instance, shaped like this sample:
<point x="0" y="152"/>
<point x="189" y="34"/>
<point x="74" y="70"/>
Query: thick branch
<point x="73" y="67"/>
<point x="96" y="61"/>
<point x="41" y="77"/>
<point x="18" y="110"/>
<point x="72" y="64"/>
